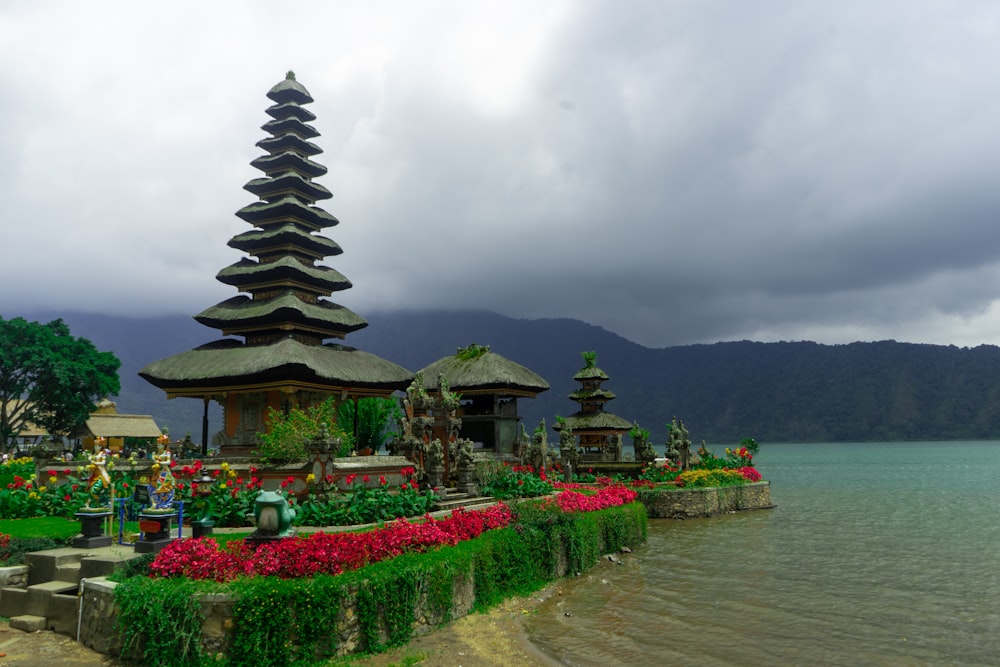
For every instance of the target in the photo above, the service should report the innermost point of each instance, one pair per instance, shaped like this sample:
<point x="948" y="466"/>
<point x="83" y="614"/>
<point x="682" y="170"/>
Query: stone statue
<point x="161" y="488"/>
<point x="98" y="481"/>
<point x="673" y="452"/>
<point x="466" y="467"/>
<point x="434" y="463"/>
<point x="685" y="446"/>
<point x="644" y="451"/>
<point x="273" y="516"/>
<point x="538" y="450"/>
<point x="567" y="451"/>
<point x="521" y="443"/>
<point x="465" y="458"/>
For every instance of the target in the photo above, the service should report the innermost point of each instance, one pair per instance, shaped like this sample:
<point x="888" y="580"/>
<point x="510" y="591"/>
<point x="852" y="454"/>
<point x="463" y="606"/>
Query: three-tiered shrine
<point x="599" y="432"/>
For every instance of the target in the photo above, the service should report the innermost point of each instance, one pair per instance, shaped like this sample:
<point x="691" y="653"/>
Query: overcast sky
<point x="676" y="172"/>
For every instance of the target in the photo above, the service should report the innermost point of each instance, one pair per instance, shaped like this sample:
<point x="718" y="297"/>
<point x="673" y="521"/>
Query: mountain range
<point x="773" y="392"/>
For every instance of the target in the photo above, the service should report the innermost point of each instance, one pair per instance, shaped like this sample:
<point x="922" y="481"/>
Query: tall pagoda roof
<point x="284" y="210"/>
<point x="581" y="422"/>
<point x="241" y="313"/>
<point x="248" y="274"/>
<point x="228" y="365"/>
<point x="475" y="369"/>
<point x="283" y="314"/>
<point x="287" y="236"/>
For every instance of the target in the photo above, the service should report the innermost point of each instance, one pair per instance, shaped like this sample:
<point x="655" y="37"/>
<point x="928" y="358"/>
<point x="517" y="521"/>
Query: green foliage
<point x="287" y="433"/>
<point x="160" y="620"/>
<point x="472" y="352"/>
<point x="23" y="467"/>
<point x="510" y="483"/>
<point x="638" y="432"/>
<point x="751" y="445"/>
<point x="133" y="567"/>
<point x="49" y="378"/>
<point x="294" y="621"/>
<point x="12" y="549"/>
<point x="658" y="474"/>
<point x="280" y="622"/>
<point x="589" y="359"/>
<point x="367" y="420"/>
<point x="57" y="528"/>
<point x="362" y="505"/>
<point x="24" y="498"/>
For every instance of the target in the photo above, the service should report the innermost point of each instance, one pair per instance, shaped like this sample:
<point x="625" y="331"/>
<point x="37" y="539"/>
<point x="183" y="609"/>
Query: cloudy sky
<point x="676" y="172"/>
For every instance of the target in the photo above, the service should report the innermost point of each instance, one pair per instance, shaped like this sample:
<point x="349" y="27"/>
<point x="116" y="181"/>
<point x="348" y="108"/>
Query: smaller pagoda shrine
<point x="598" y="432"/>
<point x="488" y="386"/>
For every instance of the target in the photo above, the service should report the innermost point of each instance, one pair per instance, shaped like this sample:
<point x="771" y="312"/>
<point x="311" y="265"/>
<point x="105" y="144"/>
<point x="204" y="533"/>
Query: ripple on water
<point x="892" y="573"/>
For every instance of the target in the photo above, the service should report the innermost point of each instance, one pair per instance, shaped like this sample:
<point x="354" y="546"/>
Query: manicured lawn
<point x="57" y="528"/>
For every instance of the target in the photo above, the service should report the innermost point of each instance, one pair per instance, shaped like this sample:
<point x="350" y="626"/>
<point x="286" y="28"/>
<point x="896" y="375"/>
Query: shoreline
<point x="494" y="638"/>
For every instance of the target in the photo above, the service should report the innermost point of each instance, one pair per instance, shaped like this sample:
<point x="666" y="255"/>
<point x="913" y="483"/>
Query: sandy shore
<point x="492" y="639"/>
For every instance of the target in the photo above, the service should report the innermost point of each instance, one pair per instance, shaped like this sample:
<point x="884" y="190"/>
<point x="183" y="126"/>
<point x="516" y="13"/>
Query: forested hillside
<point x="774" y="392"/>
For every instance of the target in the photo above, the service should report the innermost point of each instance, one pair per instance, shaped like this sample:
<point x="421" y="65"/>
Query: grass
<point x="408" y="660"/>
<point x="55" y="527"/>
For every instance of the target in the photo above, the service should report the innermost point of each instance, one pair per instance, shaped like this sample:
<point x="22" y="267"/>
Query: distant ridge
<point x="774" y="392"/>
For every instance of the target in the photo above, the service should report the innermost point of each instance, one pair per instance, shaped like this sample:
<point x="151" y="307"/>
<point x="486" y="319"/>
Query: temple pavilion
<point x="282" y="312"/>
<point x="489" y="386"/>
<point x="598" y="432"/>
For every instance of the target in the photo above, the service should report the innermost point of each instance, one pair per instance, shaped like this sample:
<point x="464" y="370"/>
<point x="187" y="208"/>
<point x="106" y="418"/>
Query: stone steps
<point x="453" y="499"/>
<point x="49" y="600"/>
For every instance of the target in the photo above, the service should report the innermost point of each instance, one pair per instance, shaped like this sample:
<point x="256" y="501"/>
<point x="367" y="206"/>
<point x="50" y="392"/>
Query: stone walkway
<point x="46" y="649"/>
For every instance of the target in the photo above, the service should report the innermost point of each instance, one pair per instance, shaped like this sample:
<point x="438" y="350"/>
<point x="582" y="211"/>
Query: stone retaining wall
<point x="672" y="503"/>
<point x="14" y="576"/>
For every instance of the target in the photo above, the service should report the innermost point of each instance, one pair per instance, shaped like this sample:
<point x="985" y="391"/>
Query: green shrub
<point x="12" y="549"/>
<point x="294" y="621"/>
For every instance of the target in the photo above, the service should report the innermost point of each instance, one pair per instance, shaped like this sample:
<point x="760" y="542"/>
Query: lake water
<point x="877" y="554"/>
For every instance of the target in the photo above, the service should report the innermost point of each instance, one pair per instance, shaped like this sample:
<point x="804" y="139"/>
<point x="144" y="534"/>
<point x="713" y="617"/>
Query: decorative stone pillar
<point x="155" y="527"/>
<point x="92" y="531"/>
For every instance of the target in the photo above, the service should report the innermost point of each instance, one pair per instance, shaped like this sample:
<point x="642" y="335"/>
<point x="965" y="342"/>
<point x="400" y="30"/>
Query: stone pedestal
<point x="201" y="527"/>
<point x="467" y="482"/>
<point x="92" y="530"/>
<point x="155" y="529"/>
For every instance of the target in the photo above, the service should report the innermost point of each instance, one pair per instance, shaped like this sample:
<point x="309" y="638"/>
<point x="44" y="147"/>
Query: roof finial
<point x="290" y="75"/>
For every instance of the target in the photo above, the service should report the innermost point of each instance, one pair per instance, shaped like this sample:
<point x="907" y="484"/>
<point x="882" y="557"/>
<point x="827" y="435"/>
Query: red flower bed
<point x="321" y="553"/>
<point x="609" y="496"/>
<point x="333" y="553"/>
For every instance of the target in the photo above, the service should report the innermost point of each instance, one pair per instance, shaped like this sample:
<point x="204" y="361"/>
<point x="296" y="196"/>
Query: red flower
<point x="365" y="479"/>
<point x="382" y="480"/>
<point x="350" y="479"/>
<point x="404" y="487"/>
<point x="124" y="485"/>
<point x="67" y="497"/>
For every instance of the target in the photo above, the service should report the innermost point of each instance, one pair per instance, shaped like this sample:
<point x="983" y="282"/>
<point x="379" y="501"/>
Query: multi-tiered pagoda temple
<point x="599" y="433"/>
<point x="282" y="313"/>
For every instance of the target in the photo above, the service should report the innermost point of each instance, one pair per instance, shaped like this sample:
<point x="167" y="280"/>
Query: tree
<point x="288" y="432"/>
<point x="368" y="419"/>
<point x="49" y="378"/>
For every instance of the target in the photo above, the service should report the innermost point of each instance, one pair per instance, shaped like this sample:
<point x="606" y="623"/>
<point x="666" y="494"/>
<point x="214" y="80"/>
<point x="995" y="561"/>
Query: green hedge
<point x="295" y="621"/>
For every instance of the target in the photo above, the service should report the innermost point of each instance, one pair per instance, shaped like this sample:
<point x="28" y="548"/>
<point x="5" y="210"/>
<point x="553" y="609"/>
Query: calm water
<point x="877" y="554"/>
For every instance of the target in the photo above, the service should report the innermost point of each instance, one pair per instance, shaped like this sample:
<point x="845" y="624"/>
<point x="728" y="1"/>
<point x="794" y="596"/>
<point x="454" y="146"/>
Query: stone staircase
<point x="453" y="498"/>
<point x="49" y="600"/>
